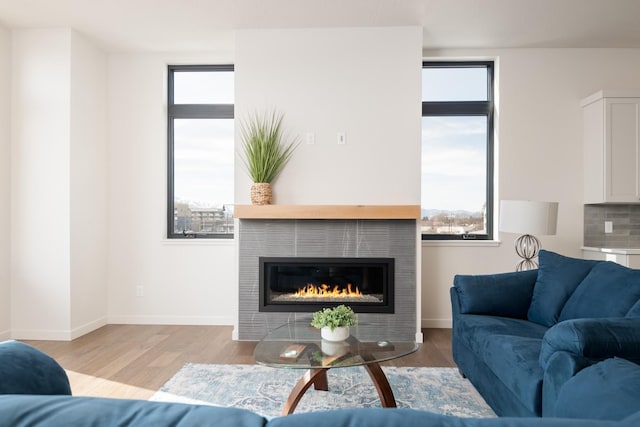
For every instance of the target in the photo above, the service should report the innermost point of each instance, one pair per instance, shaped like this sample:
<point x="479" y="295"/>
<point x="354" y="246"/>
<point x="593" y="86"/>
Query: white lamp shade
<point x="528" y="217"/>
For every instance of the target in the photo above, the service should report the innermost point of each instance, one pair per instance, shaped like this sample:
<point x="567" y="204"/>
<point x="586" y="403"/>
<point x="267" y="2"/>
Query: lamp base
<point x="527" y="247"/>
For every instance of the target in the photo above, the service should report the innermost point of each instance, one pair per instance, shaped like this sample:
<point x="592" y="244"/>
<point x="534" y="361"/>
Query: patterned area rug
<point x="264" y="390"/>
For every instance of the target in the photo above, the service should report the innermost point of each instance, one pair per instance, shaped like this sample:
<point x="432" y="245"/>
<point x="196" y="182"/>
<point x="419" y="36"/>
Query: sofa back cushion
<point x="609" y="290"/>
<point x="558" y="278"/>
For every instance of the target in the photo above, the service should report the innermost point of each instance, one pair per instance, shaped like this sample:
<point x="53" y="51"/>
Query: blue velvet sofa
<point x="521" y="337"/>
<point x="35" y="392"/>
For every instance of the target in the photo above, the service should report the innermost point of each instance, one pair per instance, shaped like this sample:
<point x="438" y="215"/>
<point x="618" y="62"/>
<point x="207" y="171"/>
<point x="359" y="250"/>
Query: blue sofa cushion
<point x="27" y="370"/>
<point x="609" y="290"/>
<point x="503" y="294"/>
<point x="370" y="417"/>
<point x="609" y="390"/>
<point x="558" y="278"/>
<point x="634" y="311"/>
<point x="510" y="348"/>
<point x="632" y="420"/>
<point x="514" y="360"/>
<point x="40" y="411"/>
<point x="377" y="417"/>
<point x="477" y="330"/>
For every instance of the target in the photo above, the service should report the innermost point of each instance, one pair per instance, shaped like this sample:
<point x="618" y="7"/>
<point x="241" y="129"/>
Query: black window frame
<point x="469" y="108"/>
<point x="189" y="111"/>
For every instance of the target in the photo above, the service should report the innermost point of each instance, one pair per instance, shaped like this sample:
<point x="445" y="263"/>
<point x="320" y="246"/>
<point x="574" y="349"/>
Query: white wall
<point x="362" y="81"/>
<point x="40" y="228"/>
<point x="184" y="282"/>
<point x="195" y="282"/>
<point x="59" y="185"/>
<point x="317" y="77"/>
<point x="5" y="180"/>
<point x="88" y="186"/>
<point x="539" y="154"/>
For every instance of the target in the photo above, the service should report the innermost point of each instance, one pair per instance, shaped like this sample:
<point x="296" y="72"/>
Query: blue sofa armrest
<point x="561" y="367"/>
<point x="593" y="339"/>
<point x="27" y="370"/>
<point x="504" y="294"/>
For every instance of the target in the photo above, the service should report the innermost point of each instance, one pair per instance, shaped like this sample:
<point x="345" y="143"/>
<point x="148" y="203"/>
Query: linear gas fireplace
<point x="295" y="284"/>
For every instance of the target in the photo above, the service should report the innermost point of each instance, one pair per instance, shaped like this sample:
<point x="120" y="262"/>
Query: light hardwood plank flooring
<point x="134" y="361"/>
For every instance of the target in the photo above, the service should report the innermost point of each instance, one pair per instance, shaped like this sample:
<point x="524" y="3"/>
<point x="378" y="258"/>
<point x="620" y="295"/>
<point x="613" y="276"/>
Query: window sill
<point x="461" y="243"/>
<point x="198" y="242"/>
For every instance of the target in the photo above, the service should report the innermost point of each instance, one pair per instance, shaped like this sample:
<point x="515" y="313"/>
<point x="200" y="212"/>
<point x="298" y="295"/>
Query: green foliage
<point x="265" y="151"/>
<point x="334" y="317"/>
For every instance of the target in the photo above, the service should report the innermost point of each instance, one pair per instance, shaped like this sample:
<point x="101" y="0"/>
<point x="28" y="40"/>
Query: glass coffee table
<point x="298" y="345"/>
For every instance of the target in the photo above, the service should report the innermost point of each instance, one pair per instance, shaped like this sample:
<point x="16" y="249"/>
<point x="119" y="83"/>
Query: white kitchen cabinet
<point x="611" y="123"/>
<point x="627" y="257"/>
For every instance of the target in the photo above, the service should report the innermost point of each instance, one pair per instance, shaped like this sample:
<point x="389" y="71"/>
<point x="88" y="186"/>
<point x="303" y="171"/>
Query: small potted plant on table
<point x="334" y="322"/>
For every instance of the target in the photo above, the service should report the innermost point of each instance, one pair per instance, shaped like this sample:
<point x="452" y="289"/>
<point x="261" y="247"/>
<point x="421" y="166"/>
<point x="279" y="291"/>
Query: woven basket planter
<point x="261" y="193"/>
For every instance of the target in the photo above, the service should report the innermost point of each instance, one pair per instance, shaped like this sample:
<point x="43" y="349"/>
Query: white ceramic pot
<point x="338" y="334"/>
<point x="334" y="348"/>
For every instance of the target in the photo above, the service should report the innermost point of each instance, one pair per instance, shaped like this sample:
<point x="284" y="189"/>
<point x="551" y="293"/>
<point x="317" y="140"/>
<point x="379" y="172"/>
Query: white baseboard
<point x="58" y="335"/>
<point x="41" y="334"/>
<point x="88" y="327"/>
<point x="436" y="323"/>
<point x="170" y="320"/>
<point x="68" y="335"/>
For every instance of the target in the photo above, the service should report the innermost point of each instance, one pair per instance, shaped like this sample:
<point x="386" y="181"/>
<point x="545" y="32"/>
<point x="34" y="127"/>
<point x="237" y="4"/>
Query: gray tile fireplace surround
<point x="327" y="238"/>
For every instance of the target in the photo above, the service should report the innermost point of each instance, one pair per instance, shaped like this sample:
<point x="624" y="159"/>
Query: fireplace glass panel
<point x="308" y="284"/>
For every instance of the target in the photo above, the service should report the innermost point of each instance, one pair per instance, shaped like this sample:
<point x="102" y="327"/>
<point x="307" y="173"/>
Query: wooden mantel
<point x="327" y="211"/>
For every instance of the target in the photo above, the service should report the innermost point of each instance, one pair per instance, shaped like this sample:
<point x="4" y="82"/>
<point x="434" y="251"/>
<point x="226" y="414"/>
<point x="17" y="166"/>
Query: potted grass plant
<point x="334" y="322"/>
<point x="266" y="151"/>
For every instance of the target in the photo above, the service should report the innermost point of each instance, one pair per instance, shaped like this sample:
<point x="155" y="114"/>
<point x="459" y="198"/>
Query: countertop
<point x="620" y="251"/>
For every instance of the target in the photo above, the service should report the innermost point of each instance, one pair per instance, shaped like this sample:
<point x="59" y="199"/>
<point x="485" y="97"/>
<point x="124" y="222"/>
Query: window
<point x="201" y="151"/>
<point x="457" y="150"/>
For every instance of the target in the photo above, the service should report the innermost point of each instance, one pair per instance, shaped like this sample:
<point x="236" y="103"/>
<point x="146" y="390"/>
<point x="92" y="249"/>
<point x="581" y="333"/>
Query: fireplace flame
<point x="324" y="290"/>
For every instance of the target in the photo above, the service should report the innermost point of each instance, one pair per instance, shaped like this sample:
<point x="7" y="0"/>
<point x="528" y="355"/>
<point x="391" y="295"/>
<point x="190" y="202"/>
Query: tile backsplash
<point x="626" y="226"/>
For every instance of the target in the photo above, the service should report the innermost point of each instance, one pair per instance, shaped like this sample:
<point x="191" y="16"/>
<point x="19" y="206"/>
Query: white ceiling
<point x="205" y="25"/>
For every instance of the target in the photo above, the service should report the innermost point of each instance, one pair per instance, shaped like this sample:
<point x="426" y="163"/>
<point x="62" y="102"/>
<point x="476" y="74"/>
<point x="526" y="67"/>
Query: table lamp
<point x="528" y="218"/>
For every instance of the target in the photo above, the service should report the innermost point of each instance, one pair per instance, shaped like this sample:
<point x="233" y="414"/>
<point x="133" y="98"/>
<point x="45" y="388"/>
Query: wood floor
<point x="134" y="361"/>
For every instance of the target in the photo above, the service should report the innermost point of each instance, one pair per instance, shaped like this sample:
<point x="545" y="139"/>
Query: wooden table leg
<point x="320" y="381"/>
<point x="382" y="385"/>
<point x="317" y="377"/>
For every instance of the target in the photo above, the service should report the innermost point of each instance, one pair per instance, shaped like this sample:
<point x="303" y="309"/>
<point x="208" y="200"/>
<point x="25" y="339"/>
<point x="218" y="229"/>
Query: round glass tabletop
<point x="298" y="345"/>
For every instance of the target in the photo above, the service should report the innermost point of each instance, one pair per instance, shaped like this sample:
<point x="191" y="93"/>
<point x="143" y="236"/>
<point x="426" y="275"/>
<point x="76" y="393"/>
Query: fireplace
<point x="298" y="284"/>
<point x="322" y="239"/>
